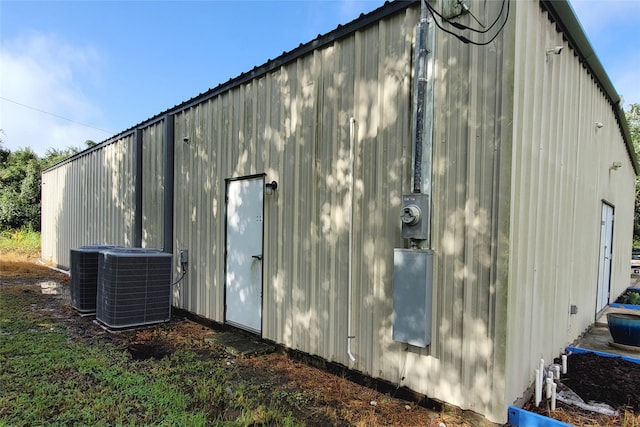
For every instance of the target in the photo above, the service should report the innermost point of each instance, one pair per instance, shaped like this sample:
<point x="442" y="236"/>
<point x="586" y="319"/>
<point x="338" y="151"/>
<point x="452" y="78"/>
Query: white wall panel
<point x="560" y="177"/>
<point x="89" y="200"/>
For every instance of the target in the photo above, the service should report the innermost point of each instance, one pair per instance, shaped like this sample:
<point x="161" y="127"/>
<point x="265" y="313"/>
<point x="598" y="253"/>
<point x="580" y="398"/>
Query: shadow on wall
<point x="335" y="218"/>
<point x="93" y="200"/>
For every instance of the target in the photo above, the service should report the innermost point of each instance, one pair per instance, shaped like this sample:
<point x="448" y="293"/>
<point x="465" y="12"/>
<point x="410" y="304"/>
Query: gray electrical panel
<point x="412" y="289"/>
<point x="415" y="216"/>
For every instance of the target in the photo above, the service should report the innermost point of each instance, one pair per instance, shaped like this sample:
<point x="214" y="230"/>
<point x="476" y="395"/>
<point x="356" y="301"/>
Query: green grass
<point x="24" y="241"/>
<point x="48" y="378"/>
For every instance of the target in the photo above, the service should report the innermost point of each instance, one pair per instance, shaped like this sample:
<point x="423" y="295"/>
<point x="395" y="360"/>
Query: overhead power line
<point x="56" y="115"/>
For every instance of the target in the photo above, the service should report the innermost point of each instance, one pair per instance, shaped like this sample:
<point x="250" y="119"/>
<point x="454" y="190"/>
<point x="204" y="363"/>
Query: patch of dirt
<point x="316" y="397"/>
<point x="15" y="270"/>
<point x="610" y="380"/>
<point x="149" y="349"/>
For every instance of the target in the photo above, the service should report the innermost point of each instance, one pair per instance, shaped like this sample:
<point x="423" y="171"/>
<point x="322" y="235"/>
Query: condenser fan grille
<point x="134" y="288"/>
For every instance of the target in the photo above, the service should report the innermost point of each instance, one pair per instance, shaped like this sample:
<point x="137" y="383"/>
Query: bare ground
<point x="330" y="399"/>
<point x="333" y="399"/>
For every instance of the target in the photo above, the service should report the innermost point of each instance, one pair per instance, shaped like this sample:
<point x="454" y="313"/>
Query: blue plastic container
<point x="624" y="328"/>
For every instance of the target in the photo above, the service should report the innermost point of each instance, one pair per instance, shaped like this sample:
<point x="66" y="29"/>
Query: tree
<point x="20" y="189"/>
<point x="53" y="156"/>
<point x="633" y="119"/>
<point x="4" y="154"/>
<point x="20" y="185"/>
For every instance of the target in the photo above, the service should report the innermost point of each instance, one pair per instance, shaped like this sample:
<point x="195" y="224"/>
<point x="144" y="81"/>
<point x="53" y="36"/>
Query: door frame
<point x="607" y="225"/>
<point x="227" y="182"/>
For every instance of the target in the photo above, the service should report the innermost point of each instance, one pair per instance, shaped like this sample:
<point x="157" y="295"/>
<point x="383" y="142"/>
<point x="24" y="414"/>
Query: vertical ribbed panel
<point x="199" y="203"/>
<point x="520" y="171"/>
<point x="560" y="176"/>
<point x="152" y="185"/>
<point x="89" y="201"/>
<point x="50" y="212"/>
<point x="466" y="361"/>
<point x="293" y="125"/>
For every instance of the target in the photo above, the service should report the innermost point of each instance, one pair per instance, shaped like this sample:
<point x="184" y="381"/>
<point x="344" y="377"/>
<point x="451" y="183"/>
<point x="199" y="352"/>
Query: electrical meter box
<point x="415" y="216"/>
<point x="412" y="294"/>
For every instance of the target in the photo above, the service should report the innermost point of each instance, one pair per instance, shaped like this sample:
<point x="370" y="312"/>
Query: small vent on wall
<point x="134" y="287"/>
<point x="84" y="277"/>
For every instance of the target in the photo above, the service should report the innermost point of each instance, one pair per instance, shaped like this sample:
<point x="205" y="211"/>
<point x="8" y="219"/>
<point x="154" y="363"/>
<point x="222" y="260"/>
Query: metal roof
<point x="560" y="12"/>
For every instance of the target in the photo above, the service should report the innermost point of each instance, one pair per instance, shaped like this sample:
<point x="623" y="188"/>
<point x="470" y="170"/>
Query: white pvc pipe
<point x="67" y="272"/>
<point x="542" y="377"/>
<point x="350" y="336"/>
<point x="538" y="388"/>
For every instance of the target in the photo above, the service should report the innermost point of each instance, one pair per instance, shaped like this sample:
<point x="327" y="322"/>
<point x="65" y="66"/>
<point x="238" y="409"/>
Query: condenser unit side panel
<point x="84" y="277"/>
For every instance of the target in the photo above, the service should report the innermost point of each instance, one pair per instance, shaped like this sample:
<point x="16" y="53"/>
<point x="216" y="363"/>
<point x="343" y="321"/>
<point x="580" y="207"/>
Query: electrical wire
<point x="463" y="38"/>
<point x="55" y="115"/>
<point x="466" y="27"/>
<point x="184" y="273"/>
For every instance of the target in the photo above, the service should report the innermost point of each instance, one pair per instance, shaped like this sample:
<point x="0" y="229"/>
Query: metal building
<point x="286" y="187"/>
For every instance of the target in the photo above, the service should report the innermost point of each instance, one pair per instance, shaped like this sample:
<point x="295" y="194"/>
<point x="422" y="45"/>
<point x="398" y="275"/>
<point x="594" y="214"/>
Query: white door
<point x="243" y="284"/>
<point x="604" y="269"/>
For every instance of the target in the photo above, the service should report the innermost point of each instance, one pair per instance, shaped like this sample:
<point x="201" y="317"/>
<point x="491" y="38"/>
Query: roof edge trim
<point x="564" y="16"/>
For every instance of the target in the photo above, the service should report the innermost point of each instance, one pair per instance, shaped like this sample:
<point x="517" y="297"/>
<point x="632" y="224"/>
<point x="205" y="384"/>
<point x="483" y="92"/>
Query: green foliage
<point x="24" y="241"/>
<point x="633" y="119"/>
<point x="20" y="190"/>
<point x="54" y="156"/>
<point x="20" y="185"/>
<point x="631" y="297"/>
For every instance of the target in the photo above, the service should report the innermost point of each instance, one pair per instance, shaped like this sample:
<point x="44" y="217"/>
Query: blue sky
<point x="112" y="64"/>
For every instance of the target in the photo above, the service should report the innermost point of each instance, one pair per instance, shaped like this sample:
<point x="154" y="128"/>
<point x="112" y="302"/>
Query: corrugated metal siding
<point x="293" y="125"/>
<point x="519" y="174"/>
<point x="560" y="175"/>
<point x="467" y="356"/>
<point x="52" y="195"/>
<point x="89" y="200"/>
<point x="199" y="208"/>
<point x="153" y="185"/>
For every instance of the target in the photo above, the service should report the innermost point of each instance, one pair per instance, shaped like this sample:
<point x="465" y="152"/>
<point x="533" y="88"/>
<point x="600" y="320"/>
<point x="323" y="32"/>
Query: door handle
<point x="258" y="257"/>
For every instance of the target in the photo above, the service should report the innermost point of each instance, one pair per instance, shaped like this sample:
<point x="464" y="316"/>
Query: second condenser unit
<point x="84" y="277"/>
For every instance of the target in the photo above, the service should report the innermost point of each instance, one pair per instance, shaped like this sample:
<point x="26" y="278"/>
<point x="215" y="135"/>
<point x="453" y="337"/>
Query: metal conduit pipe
<point x="423" y="114"/>
<point x="419" y="101"/>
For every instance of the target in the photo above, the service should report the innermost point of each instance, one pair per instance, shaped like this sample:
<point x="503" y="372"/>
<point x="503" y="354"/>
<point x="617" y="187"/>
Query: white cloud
<point x="43" y="77"/>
